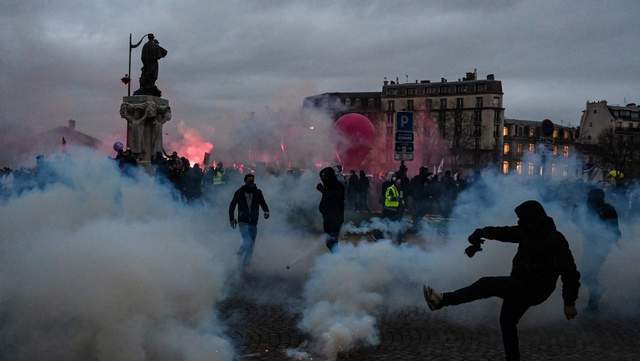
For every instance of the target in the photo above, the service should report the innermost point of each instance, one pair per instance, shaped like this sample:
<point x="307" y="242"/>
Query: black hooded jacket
<point x="246" y="214"/>
<point x="332" y="201"/>
<point x="543" y="253"/>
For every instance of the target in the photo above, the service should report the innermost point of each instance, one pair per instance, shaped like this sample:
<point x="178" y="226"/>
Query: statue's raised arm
<point x="151" y="53"/>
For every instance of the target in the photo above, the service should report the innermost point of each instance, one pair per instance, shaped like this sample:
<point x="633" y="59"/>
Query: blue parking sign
<point x="404" y="121"/>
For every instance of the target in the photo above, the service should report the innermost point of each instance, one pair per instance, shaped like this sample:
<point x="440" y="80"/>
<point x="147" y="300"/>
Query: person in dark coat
<point x="543" y="256"/>
<point x="362" y="203"/>
<point x="331" y="206"/>
<point x="248" y="199"/>
<point x="604" y="233"/>
<point x="352" y="190"/>
<point x="418" y="196"/>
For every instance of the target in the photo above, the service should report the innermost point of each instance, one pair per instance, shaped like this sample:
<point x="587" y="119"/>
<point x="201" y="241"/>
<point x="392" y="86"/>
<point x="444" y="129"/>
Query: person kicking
<point x="543" y="255"/>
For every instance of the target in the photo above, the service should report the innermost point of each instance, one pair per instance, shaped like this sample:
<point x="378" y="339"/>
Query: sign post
<point x="403" y="149"/>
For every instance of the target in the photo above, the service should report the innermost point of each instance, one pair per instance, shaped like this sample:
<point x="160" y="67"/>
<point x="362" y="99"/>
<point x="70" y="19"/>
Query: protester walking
<point x="248" y="200"/>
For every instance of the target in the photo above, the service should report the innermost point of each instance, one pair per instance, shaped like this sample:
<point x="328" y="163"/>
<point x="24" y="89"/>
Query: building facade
<point x="599" y="117"/>
<point x="527" y="151"/>
<point x="457" y="124"/>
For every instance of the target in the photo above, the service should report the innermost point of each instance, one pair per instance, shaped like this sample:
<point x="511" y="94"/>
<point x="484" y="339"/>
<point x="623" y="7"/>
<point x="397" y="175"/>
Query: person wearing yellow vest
<point x="218" y="175"/>
<point x="393" y="202"/>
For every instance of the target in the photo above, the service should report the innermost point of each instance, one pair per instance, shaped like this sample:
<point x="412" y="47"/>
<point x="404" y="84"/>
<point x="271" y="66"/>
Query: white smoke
<point x="100" y="266"/>
<point x="347" y="291"/>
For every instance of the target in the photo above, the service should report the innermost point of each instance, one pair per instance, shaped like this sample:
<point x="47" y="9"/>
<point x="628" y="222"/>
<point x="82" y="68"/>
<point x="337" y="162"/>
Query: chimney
<point x="491" y="77"/>
<point x="72" y="124"/>
<point x="425" y="81"/>
<point x="443" y="80"/>
<point x="631" y="105"/>
<point x="386" y="82"/>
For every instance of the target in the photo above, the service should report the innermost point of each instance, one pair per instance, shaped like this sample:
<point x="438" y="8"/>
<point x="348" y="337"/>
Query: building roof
<point x="533" y="123"/>
<point x="630" y="107"/>
<point x="71" y="136"/>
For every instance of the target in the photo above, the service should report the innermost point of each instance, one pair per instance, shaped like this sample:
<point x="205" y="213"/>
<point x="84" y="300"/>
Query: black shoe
<point x="433" y="298"/>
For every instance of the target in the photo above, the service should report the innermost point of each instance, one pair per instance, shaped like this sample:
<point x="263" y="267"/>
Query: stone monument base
<point x="145" y="115"/>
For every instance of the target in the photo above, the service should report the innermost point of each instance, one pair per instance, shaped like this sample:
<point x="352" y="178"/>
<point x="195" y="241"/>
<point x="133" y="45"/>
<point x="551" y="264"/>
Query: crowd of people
<point x="543" y="254"/>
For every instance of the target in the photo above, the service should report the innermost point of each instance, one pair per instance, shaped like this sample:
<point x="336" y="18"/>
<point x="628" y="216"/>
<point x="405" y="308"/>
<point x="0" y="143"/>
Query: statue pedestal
<point x="145" y="115"/>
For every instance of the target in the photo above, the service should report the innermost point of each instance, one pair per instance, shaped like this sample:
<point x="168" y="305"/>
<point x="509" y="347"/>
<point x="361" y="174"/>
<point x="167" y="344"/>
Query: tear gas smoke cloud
<point x="103" y="267"/>
<point x="347" y="291"/>
<point x="126" y="270"/>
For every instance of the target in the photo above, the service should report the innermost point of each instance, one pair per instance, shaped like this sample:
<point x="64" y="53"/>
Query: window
<point x="478" y="102"/>
<point x="410" y="104"/>
<point x="506" y="148"/>
<point x="391" y="106"/>
<point x="458" y="89"/>
<point x="520" y="148"/>
<point x="555" y="133"/>
<point x="532" y="148"/>
<point x="518" y="131"/>
<point x="459" y="103"/>
<point x="477" y="131"/>
<point x="565" y="151"/>
<point x="505" y="131"/>
<point x="532" y="132"/>
<point x="482" y="87"/>
<point x="590" y="124"/>
<point x="519" y="168"/>
<point x="411" y="91"/>
<point x="555" y="150"/>
<point x="505" y="167"/>
<point x="566" y="134"/>
<point x="428" y="104"/>
<point x="477" y="117"/>
<point x="531" y="169"/>
<point x="442" y="125"/>
<point x="595" y="111"/>
<point x="443" y="104"/>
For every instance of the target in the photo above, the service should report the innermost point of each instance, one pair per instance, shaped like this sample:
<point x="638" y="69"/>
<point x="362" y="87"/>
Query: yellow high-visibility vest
<point x="218" y="177"/>
<point x="392" y="197"/>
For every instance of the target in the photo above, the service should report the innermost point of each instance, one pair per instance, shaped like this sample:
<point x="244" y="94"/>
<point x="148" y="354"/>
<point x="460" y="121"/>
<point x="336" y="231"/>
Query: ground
<point x="263" y="331"/>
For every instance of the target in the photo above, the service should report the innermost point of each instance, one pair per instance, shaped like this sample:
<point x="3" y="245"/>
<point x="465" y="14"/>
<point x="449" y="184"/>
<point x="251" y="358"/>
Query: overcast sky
<point x="64" y="59"/>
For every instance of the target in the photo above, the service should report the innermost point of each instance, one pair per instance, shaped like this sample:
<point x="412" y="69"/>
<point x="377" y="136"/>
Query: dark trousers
<point x="516" y="300"/>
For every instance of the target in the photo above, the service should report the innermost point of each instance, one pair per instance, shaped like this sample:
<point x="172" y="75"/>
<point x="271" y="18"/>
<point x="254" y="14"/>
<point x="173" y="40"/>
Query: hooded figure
<point x="543" y="255"/>
<point x="331" y="205"/>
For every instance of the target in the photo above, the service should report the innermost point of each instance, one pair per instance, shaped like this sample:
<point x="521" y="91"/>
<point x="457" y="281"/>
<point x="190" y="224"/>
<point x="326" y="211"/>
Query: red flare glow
<point x="192" y="145"/>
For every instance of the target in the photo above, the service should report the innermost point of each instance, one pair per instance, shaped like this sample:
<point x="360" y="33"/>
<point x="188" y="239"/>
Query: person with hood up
<point x="602" y="222"/>
<point x="247" y="198"/>
<point x="331" y="205"/>
<point x="543" y="255"/>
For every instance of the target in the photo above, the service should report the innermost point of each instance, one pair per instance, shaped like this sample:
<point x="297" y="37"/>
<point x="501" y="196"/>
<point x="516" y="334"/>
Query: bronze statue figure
<point x="151" y="53"/>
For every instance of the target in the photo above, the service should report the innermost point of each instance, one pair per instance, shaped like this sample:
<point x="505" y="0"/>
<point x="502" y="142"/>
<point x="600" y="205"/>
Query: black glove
<point x="233" y="223"/>
<point x="476" y="237"/>
<point x="472" y="250"/>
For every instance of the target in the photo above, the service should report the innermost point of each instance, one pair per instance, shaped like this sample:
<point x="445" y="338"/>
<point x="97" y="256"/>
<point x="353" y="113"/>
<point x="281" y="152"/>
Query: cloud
<point x="64" y="60"/>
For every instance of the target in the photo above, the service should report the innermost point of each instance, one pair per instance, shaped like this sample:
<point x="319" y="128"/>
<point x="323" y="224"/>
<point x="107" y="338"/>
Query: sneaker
<point x="433" y="298"/>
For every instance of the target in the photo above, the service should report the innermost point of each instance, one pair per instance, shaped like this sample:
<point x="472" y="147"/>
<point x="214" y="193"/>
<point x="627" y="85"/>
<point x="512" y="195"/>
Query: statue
<point x="151" y="53"/>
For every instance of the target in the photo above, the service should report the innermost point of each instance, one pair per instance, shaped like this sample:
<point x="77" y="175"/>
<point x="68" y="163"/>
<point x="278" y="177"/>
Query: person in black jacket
<point x="543" y="256"/>
<point x="248" y="198"/>
<point x="331" y="205"/>
<point x="604" y="233"/>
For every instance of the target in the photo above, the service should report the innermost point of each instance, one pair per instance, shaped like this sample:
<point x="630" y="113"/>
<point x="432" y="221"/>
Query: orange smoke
<point x="191" y="145"/>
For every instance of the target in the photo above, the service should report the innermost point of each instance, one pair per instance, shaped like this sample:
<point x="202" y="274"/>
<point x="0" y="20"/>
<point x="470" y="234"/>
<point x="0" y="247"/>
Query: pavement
<point x="264" y="331"/>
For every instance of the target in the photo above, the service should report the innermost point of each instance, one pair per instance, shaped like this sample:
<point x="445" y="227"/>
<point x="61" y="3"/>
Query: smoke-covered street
<point x="319" y="180"/>
<point x="267" y="331"/>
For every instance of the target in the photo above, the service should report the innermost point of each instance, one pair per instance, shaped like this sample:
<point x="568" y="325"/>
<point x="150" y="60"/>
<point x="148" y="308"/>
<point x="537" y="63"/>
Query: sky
<point x="64" y="59"/>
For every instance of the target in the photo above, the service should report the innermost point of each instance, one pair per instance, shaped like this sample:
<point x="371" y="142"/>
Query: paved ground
<point x="264" y="332"/>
